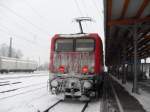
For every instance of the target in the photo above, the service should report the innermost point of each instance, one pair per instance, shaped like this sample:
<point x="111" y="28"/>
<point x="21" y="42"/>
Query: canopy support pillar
<point x="135" y="85"/>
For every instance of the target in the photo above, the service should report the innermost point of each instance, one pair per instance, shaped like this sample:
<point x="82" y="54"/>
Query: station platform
<point x="130" y="101"/>
<point x="145" y="85"/>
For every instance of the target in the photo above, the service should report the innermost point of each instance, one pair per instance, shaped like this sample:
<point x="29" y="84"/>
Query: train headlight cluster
<point x="87" y="85"/>
<point x="54" y="83"/>
<point x="61" y="69"/>
<point x="85" y="69"/>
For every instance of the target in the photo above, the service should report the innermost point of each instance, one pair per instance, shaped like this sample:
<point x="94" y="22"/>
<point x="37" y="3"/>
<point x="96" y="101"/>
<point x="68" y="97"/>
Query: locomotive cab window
<point x="64" y="45"/>
<point x="85" y="45"/>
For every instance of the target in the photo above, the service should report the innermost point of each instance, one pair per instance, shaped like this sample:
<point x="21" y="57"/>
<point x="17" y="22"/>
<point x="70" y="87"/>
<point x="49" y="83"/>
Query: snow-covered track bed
<point x="16" y="86"/>
<point x="23" y="87"/>
<point x="17" y="77"/>
<point x="52" y="106"/>
<point x="58" y="102"/>
<point x="26" y="101"/>
<point x="31" y="95"/>
<point x="20" y="91"/>
<point x="74" y="106"/>
<point x="110" y="100"/>
<point x="85" y="106"/>
<point x="7" y="83"/>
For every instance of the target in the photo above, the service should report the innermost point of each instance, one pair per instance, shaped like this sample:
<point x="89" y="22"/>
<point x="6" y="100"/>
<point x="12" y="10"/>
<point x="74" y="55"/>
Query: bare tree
<point x="43" y="66"/>
<point x="18" y="54"/>
<point x="4" y="51"/>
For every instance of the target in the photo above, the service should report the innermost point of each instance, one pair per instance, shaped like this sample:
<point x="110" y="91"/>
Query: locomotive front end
<point x="74" y="68"/>
<point x="73" y="86"/>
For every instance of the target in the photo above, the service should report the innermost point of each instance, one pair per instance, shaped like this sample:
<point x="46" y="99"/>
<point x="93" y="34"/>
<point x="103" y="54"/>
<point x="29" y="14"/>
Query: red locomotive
<point x="76" y="62"/>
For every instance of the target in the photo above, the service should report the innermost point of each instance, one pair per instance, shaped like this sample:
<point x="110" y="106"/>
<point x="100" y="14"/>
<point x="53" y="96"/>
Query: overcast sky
<point x="32" y="23"/>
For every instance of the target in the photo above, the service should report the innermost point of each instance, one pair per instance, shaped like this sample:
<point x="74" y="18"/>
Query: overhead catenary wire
<point x="41" y="17"/>
<point x="98" y="12"/>
<point x="17" y="36"/>
<point x="78" y="7"/>
<point x="86" y="8"/>
<point x="80" y="11"/>
<point x="33" y="9"/>
<point x="84" y="5"/>
<point x="23" y="18"/>
<point x="38" y="44"/>
<point x="85" y="12"/>
<point x="28" y="41"/>
<point x="22" y="45"/>
<point x="18" y="44"/>
<point x="20" y="26"/>
<point x="97" y="9"/>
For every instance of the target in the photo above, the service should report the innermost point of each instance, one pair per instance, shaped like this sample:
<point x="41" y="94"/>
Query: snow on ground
<point x="21" y="88"/>
<point x="23" y="93"/>
<point x="10" y="87"/>
<point x="30" y="94"/>
<point x="36" y="101"/>
<point x="143" y="97"/>
<point x="68" y="106"/>
<point x="94" y="106"/>
<point x="22" y="74"/>
<point x="76" y="106"/>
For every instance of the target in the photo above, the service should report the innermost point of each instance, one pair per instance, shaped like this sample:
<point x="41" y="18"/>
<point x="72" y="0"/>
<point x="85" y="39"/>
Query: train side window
<point x="64" y="45"/>
<point x="85" y="45"/>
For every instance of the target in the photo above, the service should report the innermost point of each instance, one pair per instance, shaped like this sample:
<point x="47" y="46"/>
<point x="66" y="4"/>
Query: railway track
<point x="17" y="77"/>
<point x="85" y="106"/>
<point x="110" y="100"/>
<point x="23" y="92"/>
<point x="58" y="102"/>
<point x="5" y="84"/>
<point x="19" y="88"/>
<point x="22" y="87"/>
<point x="48" y="109"/>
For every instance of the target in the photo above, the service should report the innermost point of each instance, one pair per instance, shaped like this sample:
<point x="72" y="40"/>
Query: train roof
<point x="78" y="35"/>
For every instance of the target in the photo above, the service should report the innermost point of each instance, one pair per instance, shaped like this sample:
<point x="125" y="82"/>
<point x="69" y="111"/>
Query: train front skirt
<point x="82" y="87"/>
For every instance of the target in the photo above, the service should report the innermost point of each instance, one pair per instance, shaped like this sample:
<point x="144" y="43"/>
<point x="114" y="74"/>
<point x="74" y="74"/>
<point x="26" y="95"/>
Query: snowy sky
<point x="31" y="23"/>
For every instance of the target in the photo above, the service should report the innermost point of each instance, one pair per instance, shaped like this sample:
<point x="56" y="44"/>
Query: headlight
<point x="87" y="85"/>
<point x="61" y="69"/>
<point x="85" y="69"/>
<point x="54" y="83"/>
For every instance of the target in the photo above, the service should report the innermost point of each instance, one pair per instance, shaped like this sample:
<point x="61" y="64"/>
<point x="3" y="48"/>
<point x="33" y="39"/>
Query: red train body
<point x="76" y="62"/>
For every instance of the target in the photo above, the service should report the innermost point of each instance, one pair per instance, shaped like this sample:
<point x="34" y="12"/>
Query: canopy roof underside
<point x="123" y="20"/>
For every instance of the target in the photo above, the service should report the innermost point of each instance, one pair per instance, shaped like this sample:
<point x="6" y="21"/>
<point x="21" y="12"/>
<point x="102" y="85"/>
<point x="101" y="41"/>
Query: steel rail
<point x="117" y="99"/>
<point x="24" y="92"/>
<point x="22" y="87"/>
<point x="17" y="77"/>
<point x="85" y="106"/>
<point x="110" y="95"/>
<point x="52" y="106"/>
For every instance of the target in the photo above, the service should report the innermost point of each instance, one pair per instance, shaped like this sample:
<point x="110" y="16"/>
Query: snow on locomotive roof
<point x="73" y="35"/>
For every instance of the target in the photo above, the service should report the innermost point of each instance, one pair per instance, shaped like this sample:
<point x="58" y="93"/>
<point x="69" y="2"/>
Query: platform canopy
<point x="125" y="19"/>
